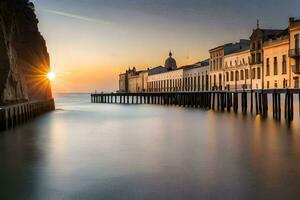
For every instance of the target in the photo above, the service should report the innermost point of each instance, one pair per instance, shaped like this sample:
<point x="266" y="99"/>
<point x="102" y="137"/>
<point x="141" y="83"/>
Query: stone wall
<point x="24" y="60"/>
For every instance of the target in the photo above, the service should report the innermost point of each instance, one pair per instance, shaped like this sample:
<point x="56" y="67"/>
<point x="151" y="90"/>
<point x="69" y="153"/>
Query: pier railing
<point x="13" y="115"/>
<point x="253" y="101"/>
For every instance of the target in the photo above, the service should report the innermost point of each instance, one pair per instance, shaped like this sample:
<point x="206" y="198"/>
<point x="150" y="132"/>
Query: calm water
<point x="94" y="151"/>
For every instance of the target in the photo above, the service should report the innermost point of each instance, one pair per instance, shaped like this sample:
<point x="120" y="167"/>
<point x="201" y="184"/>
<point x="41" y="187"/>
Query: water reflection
<point x="90" y="151"/>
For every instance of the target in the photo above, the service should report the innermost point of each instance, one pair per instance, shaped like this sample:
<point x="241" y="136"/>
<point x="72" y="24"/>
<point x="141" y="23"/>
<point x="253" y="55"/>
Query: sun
<point x="51" y="76"/>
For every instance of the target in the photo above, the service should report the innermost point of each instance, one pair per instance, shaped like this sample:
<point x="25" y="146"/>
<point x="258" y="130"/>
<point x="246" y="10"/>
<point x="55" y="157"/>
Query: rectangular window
<point x="258" y="73"/>
<point x="268" y="84"/>
<point x="227" y="76"/>
<point x="275" y="66"/>
<point x="258" y="45"/>
<point x="252" y="58"/>
<point x="284" y="64"/>
<point x="247" y="74"/>
<point x="258" y="58"/>
<point x="253" y="73"/>
<point x="231" y="76"/>
<point x="268" y="67"/>
<point x="242" y="75"/>
<point x="297" y="43"/>
<point x="253" y="46"/>
<point x="296" y="82"/>
<point x="237" y="75"/>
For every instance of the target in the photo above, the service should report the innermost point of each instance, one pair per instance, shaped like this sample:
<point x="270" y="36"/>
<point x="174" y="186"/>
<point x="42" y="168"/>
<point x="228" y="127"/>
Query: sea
<point x="139" y="152"/>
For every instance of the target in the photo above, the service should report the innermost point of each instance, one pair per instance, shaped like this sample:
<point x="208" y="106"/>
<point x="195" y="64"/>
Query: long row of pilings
<point x="14" y="115"/>
<point x="250" y="101"/>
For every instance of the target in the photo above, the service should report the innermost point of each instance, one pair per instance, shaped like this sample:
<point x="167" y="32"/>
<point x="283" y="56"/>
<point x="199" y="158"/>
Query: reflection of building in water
<point x="269" y="60"/>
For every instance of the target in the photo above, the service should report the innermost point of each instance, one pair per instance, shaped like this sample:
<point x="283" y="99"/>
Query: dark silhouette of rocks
<point x="24" y="60"/>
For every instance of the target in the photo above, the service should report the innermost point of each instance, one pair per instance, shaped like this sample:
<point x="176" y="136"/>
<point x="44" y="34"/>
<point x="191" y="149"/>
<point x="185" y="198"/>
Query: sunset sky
<point x="91" y="41"/>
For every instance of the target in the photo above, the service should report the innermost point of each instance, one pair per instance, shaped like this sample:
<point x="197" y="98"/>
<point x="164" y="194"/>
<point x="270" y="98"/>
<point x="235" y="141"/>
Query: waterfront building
<point x="133" y="81"/>
<point x="196" y="76"/>
<point x="258" y="38"/>
<point x="167" y="78"/>
<point x="216" y="71"/>
<point x="269" y="60"/>
<point x="294" y="51"/>
<point x="276" y="62"/>
<point x="186" y="78"/>
<point x="166" y="81"/>
<point x="123" y="82"/>
<point x="237" y="70"/>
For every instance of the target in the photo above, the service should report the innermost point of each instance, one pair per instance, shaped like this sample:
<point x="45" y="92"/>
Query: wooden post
<point x="251" y="102"/>
<point x="213" y="101"/>
<point x="228" y="101"/>
<point x="292" y="107"/>
<point x="274" y="99"/>
<point x="260" y="102"/>
<point x="256" y="103"/>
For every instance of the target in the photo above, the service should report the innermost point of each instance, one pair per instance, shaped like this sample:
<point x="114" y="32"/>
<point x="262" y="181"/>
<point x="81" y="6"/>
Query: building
<point x="294" y="51"/>
<point x="167" y="78"/>
<point x="276" y="62"/>
<point x="237" y="70"/>
<point x="216" y="72"/>
<point x="269" y="60"/>
<point x="186" y="78"/>
<point x="195" y="77"/>
<point x="123" y="82"/>
<point x="258" y="38"/>
<point x="133" y="81"/>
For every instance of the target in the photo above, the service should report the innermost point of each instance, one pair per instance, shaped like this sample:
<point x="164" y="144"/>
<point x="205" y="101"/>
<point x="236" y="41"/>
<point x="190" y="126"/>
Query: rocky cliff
<point x="24" y="60"/>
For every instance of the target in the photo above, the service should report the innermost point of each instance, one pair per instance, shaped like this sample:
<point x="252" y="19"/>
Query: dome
<point x="170" y="62"/>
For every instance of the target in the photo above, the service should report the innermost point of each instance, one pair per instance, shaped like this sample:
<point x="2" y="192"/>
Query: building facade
<point x="277" y="74"/>
<point x="217" y="77"/>
<point x="133" y="81"/>
<point x="294" y="51"/>
<point x="269" y="60"/>
<point x="237" y="70"/>
<point x="186" y="78"/>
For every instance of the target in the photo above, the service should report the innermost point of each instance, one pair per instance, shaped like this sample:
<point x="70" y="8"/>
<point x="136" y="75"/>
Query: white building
<point x="186" y="78"/>
<point x="237" y="70"/>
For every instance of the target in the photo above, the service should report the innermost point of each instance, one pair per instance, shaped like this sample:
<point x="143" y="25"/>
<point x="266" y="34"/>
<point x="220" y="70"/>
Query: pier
<point x="14" y="115"/>
<point x="245" y="101"/>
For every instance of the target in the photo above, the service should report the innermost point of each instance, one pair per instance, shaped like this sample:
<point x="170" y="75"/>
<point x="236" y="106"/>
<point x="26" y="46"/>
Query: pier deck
<point x="253" y="101"/>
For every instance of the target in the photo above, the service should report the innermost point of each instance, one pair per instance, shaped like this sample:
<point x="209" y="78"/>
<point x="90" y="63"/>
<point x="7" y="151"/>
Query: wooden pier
<point x="13" y="115"/>
<point x="250" y="101"/>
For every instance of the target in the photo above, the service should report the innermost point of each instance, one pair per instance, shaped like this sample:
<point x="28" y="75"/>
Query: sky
<point x="92" y="41"/>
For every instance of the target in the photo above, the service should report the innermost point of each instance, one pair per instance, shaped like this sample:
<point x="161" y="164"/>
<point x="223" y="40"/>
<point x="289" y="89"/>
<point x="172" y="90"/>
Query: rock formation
<point x="24" y="60"/>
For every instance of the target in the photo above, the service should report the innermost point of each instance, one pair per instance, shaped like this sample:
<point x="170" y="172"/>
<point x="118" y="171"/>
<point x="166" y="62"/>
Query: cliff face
<point x="24" y="60"/>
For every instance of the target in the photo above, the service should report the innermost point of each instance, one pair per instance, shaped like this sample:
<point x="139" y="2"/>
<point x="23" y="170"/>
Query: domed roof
<point x="170" y="62"/>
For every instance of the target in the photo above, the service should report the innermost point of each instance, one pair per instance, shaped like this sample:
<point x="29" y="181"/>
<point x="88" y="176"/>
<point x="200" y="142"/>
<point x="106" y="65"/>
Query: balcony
<point x="294" y="53"/>
<point x="296" y="69"/>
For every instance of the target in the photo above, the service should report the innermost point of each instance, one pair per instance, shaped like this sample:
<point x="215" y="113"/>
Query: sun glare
<point x="51" y="76"/>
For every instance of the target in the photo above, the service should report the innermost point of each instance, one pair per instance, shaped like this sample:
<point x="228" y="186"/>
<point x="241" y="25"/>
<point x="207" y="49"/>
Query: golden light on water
<point x="51" y="76"/>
